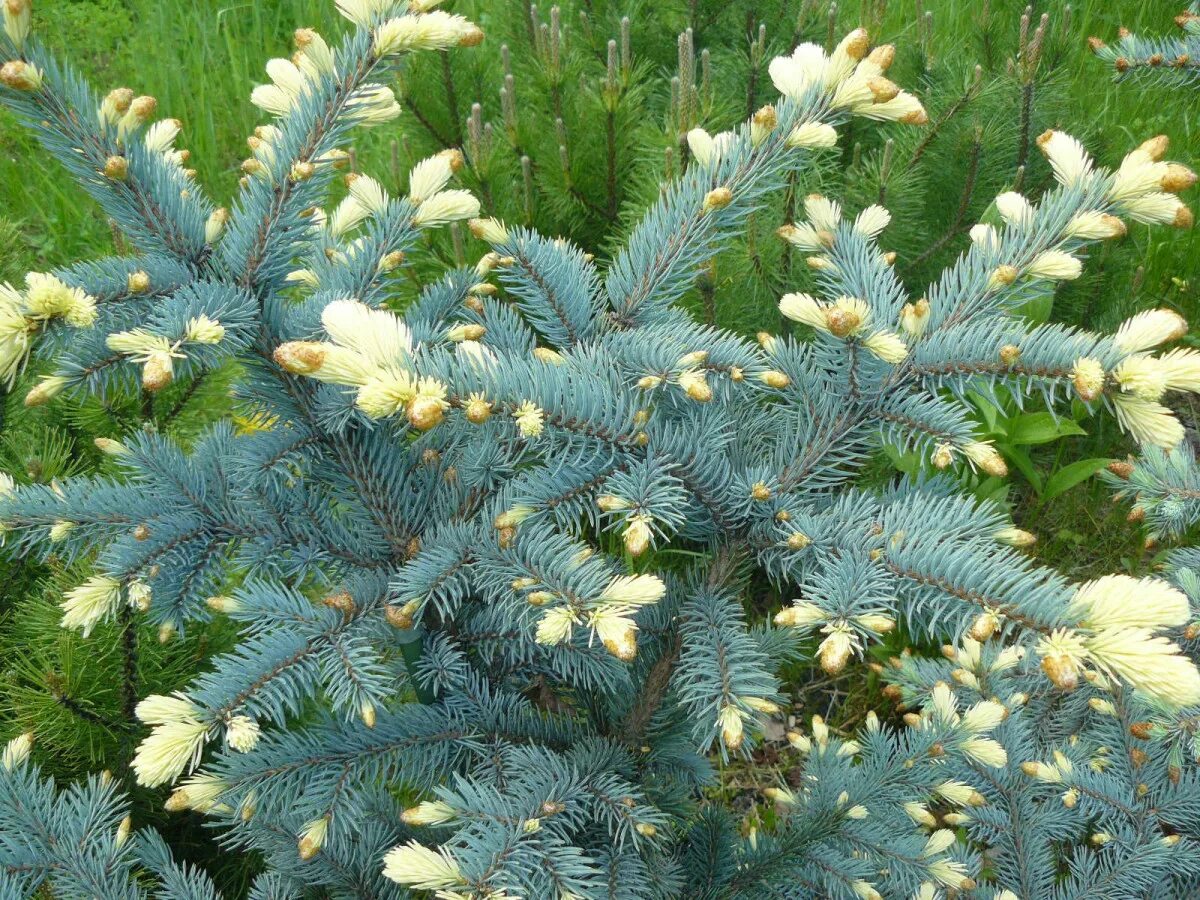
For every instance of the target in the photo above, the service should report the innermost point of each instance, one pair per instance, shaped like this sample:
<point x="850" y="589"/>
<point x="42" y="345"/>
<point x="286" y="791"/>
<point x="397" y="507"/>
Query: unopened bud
<point x="222" y="604"/>
<point x="390" y="261"/>
<point x="143" y="108"/>
<point x="403" y="617"/>
<point x="856" y="43"/>
<point x="138" y="282"/>
<point x="1061" y="671"/>
<point x="116" y="168"/>
<point x="1177" y="178"/>
<point x="1156" y="147"/>
<point x="478" y="410"/>
<point x="341" y="601"/>
<point x="883" y="56"/>
<point x="842" y="322"/>
<point x="215" y="225"/>
<point x="472" y="332"/>
<point x="984" y="626"/>
<point x="762" y="124"/>
<point x="300" y="357"/>
<point x="798" y="540"/>
<point x="45" y="390"/>
<point x="1003" y="275"/>
<point x="493" y="231"/>
<point x="158" y="372"/>
<point x="425" y="413"/>
<point x="301" y="171"/>
<point x="124" y="830"/>
<point x="697" y="388"/>
<point x="109" y="447"/>
<point x="21" y="76"/>
<point x="717" y="198"/>
<point x="882" y="89"/>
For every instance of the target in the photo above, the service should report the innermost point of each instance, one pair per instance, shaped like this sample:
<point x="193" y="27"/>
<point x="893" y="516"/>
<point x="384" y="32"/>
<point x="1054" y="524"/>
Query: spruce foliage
<point x="1172" y="59"/>
<point x="490" y="531"/>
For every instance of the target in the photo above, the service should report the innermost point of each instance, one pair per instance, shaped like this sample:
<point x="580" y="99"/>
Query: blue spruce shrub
<point x="489" y="556"/>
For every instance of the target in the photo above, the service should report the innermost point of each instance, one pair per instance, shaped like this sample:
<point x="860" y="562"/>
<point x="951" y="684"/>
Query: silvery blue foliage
<point x="1174" y="58"/>
<point x="491" y="557"/>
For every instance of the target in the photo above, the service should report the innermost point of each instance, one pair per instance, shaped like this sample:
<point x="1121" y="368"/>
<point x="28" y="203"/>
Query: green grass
<point x="200" y="58"/>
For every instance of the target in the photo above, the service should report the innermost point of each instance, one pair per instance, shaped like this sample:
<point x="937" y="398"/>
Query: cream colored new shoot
<point x="157" y="354"/>
<point x="850" y="77"/>
<point x="369" y="350"/>
<point x="175" y="742"/>
<point x="421" y="868"/>
<point x="1116" y="623"/>
<point x="609" y="617"/>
